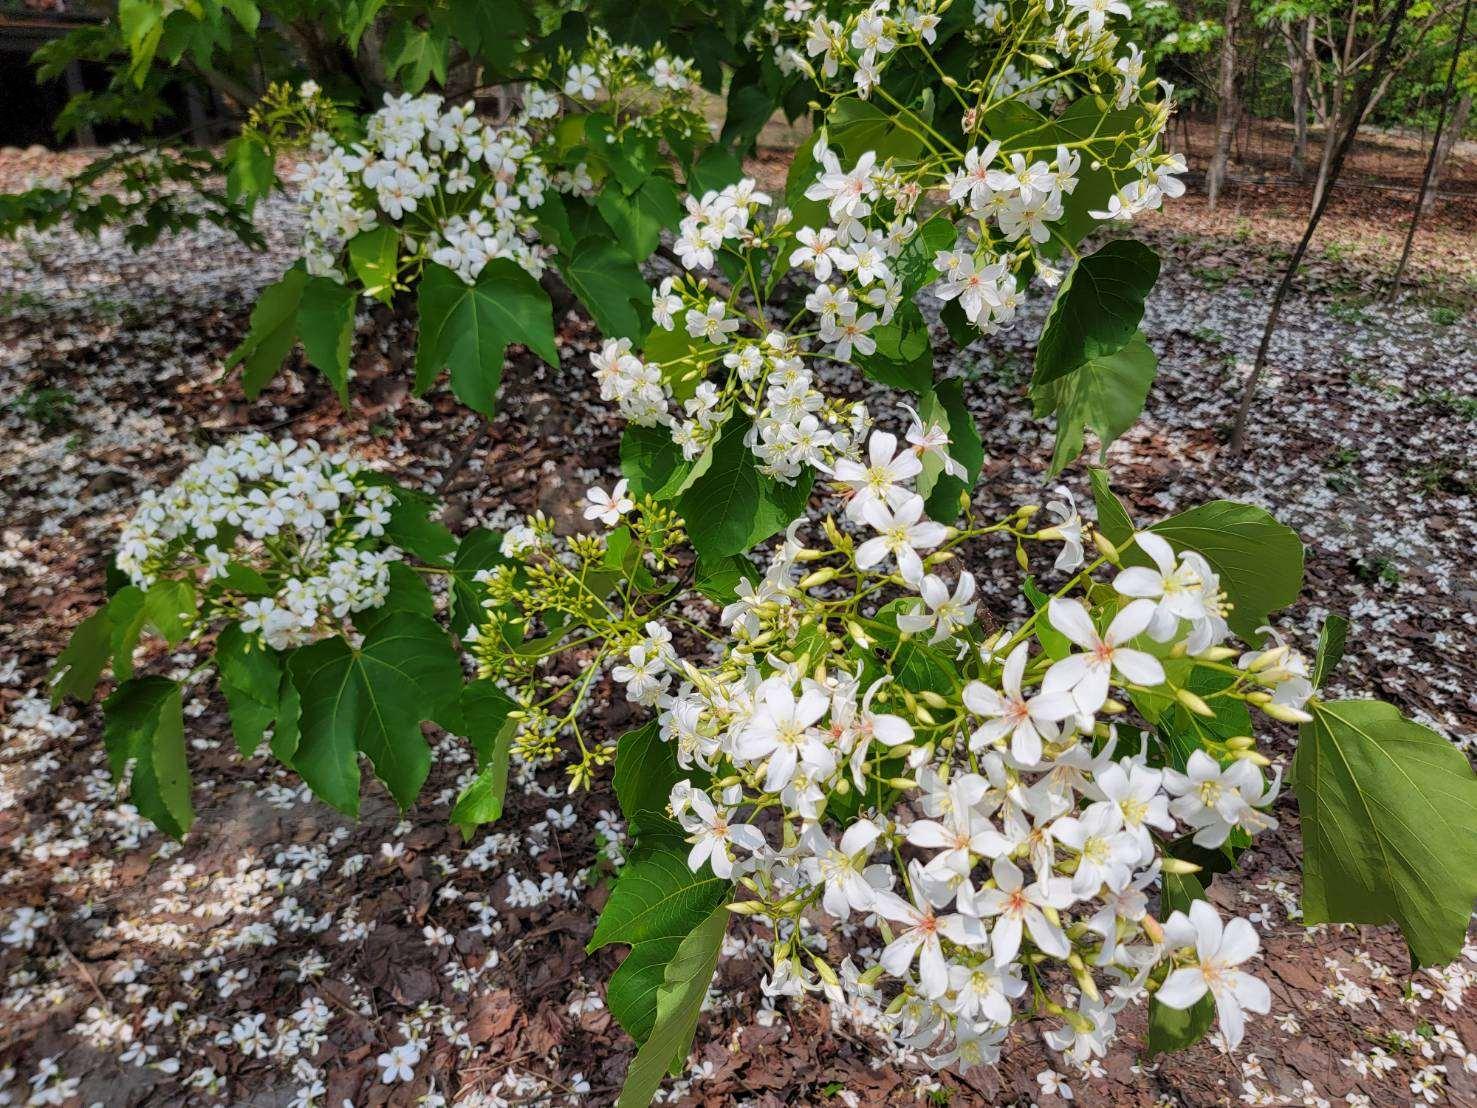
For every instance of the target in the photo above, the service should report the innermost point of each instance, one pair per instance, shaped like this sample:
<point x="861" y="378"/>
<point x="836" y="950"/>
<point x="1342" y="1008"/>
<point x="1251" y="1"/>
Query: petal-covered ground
<point x="282" y="955"/>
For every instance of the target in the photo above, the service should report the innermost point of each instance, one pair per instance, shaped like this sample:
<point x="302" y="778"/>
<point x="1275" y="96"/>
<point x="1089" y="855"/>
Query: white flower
<point x="1087" y="675"/>
<point x="903" y="533"/>
<point x="1067" y="529"/>
<point x="608" y="507"/>
<point x="714" y="837"/>
<point x="1028" y="722"/>
<point x="399" y="1062"/>
<point x="1019" y="907"/>
<point x="1218" y="952"/>
<point x="1177" y="589"/>
<point x="920" y="937"/>
<point x="1213" y="800"/>
<point x="780" y="727"/>
<point x="880" y="481"/>
<point x="946" y="614"/>
<point x="850" y="883"/>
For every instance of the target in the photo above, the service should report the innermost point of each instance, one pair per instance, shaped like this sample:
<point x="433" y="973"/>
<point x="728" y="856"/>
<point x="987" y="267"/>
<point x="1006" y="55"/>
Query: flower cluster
<point x="596" y="593"/>
<point x="862" y="751"/>
<point x="646" y="90"/>
<point x="282" y="536"/>
<point x="460" y="191"/>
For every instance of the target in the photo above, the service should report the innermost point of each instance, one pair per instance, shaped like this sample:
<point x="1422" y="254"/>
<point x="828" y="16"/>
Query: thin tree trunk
<point x="73" y="76"/>
<point x="1420" y="203"/>
<point x="1361" y="100"/>
<point x="1446" y="142"/>
<point x="1225" y="109"/>
<point x="1299" y="50"/>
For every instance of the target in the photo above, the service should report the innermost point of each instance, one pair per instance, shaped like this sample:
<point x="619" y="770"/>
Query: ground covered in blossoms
<point x="282" y="955"/>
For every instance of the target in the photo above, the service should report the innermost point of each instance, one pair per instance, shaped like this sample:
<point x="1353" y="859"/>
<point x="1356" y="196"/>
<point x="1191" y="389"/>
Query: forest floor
<point x="274" y="955"/>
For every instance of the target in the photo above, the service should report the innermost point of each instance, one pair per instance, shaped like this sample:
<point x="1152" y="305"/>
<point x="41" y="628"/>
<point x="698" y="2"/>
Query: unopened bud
<point x="1255" y="757"/>
<point x="932" y="699"/>
<point x="1194" y="703"/>
<point x="1217" y="653"/>
<point x="808" y="555"/>
<point x="902" y="783"/>
<point x="1020" y="557"/>
<point x="1240" y="742"/>
<point x="1153" y="929"/>
<point x="1109" y="551"/>
<point x="1268" y="658"/>
<point x="823" y="968"/>
<point x="819" y="577"/>
<point x="858" y="636"/>
<point x="1179" y="866"/>
<point x="924" y="714"/>
<point x="1286" y="712"/>
<point x="1113" y="707"/>
<point x="745" y="907"/>
<point x="1049" y="534"/>
<point x="938" y="558"/>
<point x="1026" y="511"/>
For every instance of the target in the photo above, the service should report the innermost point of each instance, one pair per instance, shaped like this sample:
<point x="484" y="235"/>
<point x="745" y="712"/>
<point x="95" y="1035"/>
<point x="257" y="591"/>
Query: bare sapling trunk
<point x="1299" y="50"/>
<point x="1226" y="107"/>
<point x="1426" y="188"/>
<point x="1336" y="164"/>
<point x="1446" y="142"/>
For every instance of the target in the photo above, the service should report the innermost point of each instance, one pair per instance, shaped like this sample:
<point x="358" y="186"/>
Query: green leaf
<point x="1056" y="644"/>
<point x="904" y="354"/>
<point x="357" y="16"/>
<point x="607" y="281"/>
<point x="683" y="360"/>
<point x="78" y="667"/>
<point x="491" y="28"/>
<point x="914" y="265"/>
<point x="655" y="903"/>
<point x="1113" y="519"/>
<point x="731" y="507"/>
<point x="1260" y="561"/>
<point x="372" y="700"/>
<point x="1172" y="1029"/>
<point x="272" y="333"/>
<point x="251" y="679"/>
<point x="373" y="255"/>
<point x="945" y="404"/>
<point x="649" y="458"/>
<point x="1386" y="808"/>
<point x="251" y="171"/>
<point x="416" y="54"/>
<point x="1106" y="393"/>
<point x="1331" y="641"/>
<point x="645" y="771"/>
<point x="715" y="170"/>
<point x="467" y="328"/>
<point x="478" y="550"/>
<point x="718" y="578"/>
<point x="857" y="126"/>
<point x="142" y="722"/>
<point x="413" y="529"/>
<point x="481" y="715"/>
<point x="639" y="219"/>
<point x="1097" y="310"/>
<point x="679" y="1003"/>
<point x="325" y="323"/>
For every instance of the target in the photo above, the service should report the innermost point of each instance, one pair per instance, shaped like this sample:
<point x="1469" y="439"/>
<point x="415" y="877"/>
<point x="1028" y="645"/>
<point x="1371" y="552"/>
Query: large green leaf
<point x="1260" y="561"/>
<point x="679" y="1003"/>
<point x="1106" y="393"/>
<point x="78" y="667"/>
<point x="607" y="281"/>
<point x="656" y="902"/>
<point x="731" y="506"/>
<point x="1389" y="820"/>
<point x="1097" y="310"/>
<point x="325" y="323"/>
<point x="251" y="679"/>
<point x="639" y="219"/>
<point x="416" y="53"/>
<point x="1331" y="639"/>
<point x="142" y="723"/>
<point x="857" y="126"/>
<point x="273" y="331"/>
<point x="914" y="265"/>
<point x="904" y="355"/>
<point x="645" y="771"/>
<point x="467" y="328"/>
<point x="480" y="714"/>
<point x="649" y="458"/>
<point x="371" y="700"/>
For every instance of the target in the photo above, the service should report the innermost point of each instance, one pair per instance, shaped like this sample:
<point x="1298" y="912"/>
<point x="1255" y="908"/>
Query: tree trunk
<point x="1226" y="106"/>
<point x="1426" y="190"/>
<point x="1299" y="50"/>
<point x="1450" y="136"/>
<point x="1361" y="101"/>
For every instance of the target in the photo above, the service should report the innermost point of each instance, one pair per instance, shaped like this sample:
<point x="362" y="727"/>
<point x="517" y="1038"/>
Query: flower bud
<point x="745" y="907"/>
<point x="1286" y="713"/>
<point x="1178" y="866"/>
<point x="1020" y="557"/>
<point x="1153" y="929"/>
<point x="1267" y="659"/>
<point x="1109" y="551"/>
<point x="1194" y="703"/>
<point x="1240" y="742"/>
<point x="1217" y="654"/>
<point x="819" y="577"/>
<point x="858" y="636"/>
<point x="932" y="699"/>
